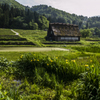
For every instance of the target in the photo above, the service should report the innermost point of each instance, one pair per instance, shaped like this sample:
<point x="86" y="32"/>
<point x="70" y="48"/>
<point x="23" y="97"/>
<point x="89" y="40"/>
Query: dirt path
<point x="31" y="49"/>
<point x="16" y="33"/>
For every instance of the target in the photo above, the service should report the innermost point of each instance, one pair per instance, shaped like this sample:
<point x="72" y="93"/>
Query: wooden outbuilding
<point x="63" y="32"/>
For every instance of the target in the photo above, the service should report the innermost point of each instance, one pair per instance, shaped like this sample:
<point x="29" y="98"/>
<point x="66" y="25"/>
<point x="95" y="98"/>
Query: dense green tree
<point x="80" y="25"/>
<point x="25" y="26"/>
<point x="61" y="20"/>
<point x="85" y="32"/>
<point x="18" y="22"/>
<point x="97" y="31"/>
<point x="74" y="22"/>
<point x="55" y="15"/>
<point x="9" y="17"/>
<point x="6" y="19"/>
<point x="13" y="3"/>
<point x="16" y="18"/>
<point x="33" y="25"/>
<point x="87" y="25"/>
<point x="43" y="22"/>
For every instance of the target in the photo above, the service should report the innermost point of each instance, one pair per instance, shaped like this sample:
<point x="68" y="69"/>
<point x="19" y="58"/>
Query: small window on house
<point x="62" y="38"/>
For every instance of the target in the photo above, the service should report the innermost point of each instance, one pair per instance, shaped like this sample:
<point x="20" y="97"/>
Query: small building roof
<point x="63" y="29"/>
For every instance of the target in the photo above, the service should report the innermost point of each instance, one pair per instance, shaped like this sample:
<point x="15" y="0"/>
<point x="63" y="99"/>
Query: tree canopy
<point x="55" y="15"/>
<point x="11" y="17"/>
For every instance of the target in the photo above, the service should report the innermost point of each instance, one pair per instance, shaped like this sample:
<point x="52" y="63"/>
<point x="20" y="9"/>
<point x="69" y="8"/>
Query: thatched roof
<point x="62" y="29"/>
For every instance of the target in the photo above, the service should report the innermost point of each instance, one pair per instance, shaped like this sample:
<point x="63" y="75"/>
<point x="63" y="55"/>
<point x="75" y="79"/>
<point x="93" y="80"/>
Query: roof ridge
<point x="63" y="24"/>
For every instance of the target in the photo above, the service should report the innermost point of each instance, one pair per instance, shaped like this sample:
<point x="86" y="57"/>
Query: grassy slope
<point x="35" y="36"/>
<point x="6" y="32"/>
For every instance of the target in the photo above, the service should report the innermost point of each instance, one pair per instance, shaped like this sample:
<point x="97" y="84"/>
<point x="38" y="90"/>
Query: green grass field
<point x="45" y="86"/>
<point x="6" y="32"/>
<point x="50" y="75"/>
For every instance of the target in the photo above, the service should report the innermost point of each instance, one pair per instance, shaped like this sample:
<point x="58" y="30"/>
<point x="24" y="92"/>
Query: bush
<point x="85" y="32"/>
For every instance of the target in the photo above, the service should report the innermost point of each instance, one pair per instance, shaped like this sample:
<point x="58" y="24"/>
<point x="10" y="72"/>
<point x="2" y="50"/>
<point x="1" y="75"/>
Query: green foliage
<point x="54" y="75"/>
<point x="21" y="19"/>
<point x="43" y="22"/>
<point x="4" y="63"/>
<point x="36" y="67"/>
<point x="85" y="32"/>
<point x="41" y="77"/>
<point x="3" y="94"/>
<point x="12" y="3"/>
<point x="52" y="14"/>
<point x="11" y="95"/>
<point x="55" y="15"/>
<point x="89" y="87"/>
<point x="58" y="89"/>
<point x="33" y="25"/>
<point x="95" y="49"/>
<point x="97" y="32"/>
<point x="94" y="22"/>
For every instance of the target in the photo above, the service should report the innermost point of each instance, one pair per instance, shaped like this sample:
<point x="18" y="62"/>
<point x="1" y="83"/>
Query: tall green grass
<point x="47" y="77"/>
<point x="94" y="49"/>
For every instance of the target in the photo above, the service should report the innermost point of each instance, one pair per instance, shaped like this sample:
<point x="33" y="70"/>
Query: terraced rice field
<point x="8" y="37"/>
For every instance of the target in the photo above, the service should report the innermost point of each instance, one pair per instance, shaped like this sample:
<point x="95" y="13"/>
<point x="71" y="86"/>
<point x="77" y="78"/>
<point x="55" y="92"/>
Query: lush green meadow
<point x="51" y="75"/>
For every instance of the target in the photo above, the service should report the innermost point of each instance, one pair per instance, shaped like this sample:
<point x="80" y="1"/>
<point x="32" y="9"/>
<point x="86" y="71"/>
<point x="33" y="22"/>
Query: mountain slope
<point x="55" y="15"/>
<point x="13" y="3"/>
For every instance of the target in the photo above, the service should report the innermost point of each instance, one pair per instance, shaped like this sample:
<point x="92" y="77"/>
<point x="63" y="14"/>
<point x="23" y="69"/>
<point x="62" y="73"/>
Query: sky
<point x="87" y="8"/>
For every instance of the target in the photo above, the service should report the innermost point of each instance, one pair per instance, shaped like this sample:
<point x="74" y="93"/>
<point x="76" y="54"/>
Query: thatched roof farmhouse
<point x="63" y="32"/>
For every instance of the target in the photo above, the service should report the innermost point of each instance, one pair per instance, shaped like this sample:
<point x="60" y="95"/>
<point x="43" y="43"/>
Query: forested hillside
<point x="94" y="22"/>
<point x="55" y="15"/>
<point x="18" y="14"/>
<point x="12" y="3"/>
<point x="11" y="17"/>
